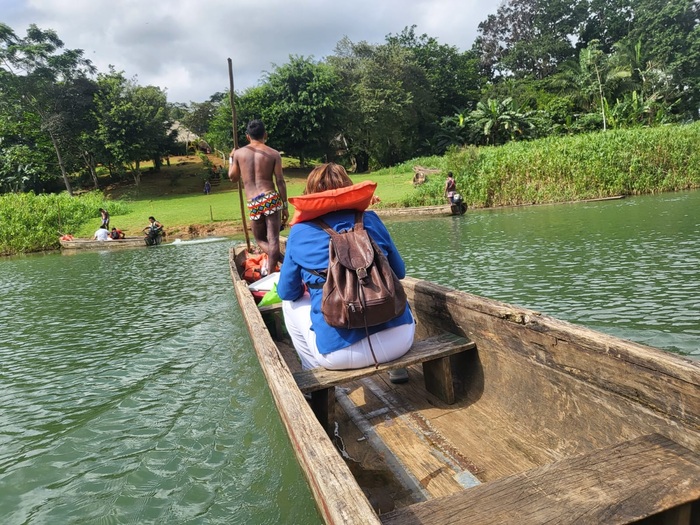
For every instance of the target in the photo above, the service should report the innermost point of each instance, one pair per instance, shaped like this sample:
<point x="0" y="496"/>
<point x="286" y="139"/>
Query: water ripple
<point x="630" y="268"/>
<point x="131" y="395"/>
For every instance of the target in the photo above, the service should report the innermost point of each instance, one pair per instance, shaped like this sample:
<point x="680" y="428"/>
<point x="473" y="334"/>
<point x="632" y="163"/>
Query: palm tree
<point x="500" y="121"/>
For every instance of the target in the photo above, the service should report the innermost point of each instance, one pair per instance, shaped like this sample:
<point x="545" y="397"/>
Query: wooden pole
<point x="235" y="146"/>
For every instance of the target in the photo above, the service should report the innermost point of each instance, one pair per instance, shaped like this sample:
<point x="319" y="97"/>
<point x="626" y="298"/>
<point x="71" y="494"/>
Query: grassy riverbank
<point x="621" y="162"/>
<point x="598" y="165"/>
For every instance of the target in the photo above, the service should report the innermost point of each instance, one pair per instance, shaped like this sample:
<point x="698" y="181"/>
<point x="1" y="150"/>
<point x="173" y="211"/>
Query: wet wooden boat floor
<point x="396" y="429"/>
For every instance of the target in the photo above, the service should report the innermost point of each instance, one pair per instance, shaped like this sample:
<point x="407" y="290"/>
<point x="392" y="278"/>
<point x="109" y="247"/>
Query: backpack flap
<point x="354" y="251"/>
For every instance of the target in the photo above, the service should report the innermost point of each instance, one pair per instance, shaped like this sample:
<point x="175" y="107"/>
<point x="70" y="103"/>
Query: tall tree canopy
<point x="387" y="104"/>
<point x="299" y="105"/>
<point x="537" y="68"/>
<point x="133" y="122"/>
<point x="537" y="39"/>
<point x="41" y="79"/>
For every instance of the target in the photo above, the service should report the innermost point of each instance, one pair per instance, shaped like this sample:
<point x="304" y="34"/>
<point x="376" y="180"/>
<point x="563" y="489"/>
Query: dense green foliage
<point x="58" y="124"/>
<point x="595" y="165"/>
<point x="132" y="123"/>
<point x="537" y="69"/>
<point x="30" y="222"/>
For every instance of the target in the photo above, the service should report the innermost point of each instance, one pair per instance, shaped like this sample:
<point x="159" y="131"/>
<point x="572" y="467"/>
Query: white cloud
<point x="183" y="46"/>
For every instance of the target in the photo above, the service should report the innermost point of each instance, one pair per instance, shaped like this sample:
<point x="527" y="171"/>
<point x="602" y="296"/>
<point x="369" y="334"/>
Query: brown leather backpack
<point x="361" y="289"/>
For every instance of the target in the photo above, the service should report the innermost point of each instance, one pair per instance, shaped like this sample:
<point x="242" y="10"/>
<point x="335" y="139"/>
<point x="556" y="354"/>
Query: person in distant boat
<point x="116" y="234"/>
<point x="102" y="234"/>
<point x="317" y="342"/>
<point x="105" y="219"/>
<point x="259" y="167"/>
<point x="450" y="186"/>
<point x="153" y="231"/>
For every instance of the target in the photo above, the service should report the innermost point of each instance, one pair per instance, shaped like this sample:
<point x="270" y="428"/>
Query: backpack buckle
<point x="361" y="273"/>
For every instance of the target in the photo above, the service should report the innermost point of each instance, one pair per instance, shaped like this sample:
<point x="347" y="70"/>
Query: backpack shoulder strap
<point x="359" y="224"/>
<point x="323" y="224"/>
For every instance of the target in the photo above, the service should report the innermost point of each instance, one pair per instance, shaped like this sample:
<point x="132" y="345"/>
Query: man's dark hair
<point x="256" y="129"/>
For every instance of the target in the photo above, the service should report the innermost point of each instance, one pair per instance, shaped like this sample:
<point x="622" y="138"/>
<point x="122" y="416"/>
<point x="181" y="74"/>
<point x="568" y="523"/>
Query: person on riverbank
<point x="259" y="167"/>
<point x="102" y="234"/>
<point x="116" y="234"/>
<point x="105" y="218"/>
<point x="316" y="342"/>
<point x="450" y="187"/>
<point x="153" y="231"/>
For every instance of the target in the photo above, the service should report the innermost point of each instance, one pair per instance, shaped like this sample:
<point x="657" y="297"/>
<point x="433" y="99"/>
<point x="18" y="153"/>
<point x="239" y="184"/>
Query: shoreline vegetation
<point x="552" y="170"/>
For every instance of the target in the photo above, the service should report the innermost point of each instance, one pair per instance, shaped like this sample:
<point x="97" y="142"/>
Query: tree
<point x="301" y="100"/>
<point x="594" y="69"/>
<point x="607" y="22"/>
<point x="197" y="116"/>
<point x="499" y="121"/>
<point x="39" y="76"/>
<point x="669" y="31"/>
<point x="132" y="122"/>
<point x="387" y="105"/>
<point x="529" y="38"/>
<point x="453" y="76"/>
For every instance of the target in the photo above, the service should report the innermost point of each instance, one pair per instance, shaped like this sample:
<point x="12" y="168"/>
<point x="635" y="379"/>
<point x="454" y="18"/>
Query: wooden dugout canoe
<point x="553" y="423"/>
<point x="91" y="244"/>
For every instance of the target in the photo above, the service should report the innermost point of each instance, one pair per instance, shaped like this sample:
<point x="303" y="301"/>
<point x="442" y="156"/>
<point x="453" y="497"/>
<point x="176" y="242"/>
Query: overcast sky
<point x="183" y="46"/>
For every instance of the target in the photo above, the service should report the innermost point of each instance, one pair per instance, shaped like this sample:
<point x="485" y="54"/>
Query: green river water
<point x="129" y="391"/>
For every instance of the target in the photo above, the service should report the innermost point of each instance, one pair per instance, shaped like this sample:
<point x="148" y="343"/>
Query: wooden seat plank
<point x="432" y="348"/>
<point x="630" y="481"/>
<point x="434" y="353"/>
<point x="270" y="308"/>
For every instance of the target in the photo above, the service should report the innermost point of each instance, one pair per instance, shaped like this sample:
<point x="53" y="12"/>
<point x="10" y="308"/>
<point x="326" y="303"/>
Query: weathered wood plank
<point x="651" y="389"/>
<point x="339" y="499"/>
<point x="616" y="485"/>
<point x="421" y="450"/>
<point x="438" y="379"/>
<point x="442" y="345"/>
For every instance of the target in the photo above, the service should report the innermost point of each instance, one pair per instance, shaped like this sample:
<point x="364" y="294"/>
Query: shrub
<point x="30" y="222"/>
<point x="557" y="169"/>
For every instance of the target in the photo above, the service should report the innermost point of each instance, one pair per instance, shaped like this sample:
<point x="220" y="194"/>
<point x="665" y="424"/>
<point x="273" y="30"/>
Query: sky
<point x="183" y="46"/>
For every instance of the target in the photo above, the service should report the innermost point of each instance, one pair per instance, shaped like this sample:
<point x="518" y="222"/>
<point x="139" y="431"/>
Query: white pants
<point x="388" y="344"/>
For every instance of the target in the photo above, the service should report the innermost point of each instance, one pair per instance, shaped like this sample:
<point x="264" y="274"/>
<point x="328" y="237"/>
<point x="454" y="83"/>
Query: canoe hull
<point x="536" y="391"/>
<point x="91" y="244"/>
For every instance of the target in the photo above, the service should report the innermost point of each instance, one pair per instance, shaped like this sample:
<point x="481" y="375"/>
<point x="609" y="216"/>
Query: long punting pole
<point x="235" y="146"/>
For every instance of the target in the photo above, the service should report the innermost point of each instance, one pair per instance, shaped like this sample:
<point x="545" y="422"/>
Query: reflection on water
<point x="628" y="267"/>
<point x="130" y="393"/>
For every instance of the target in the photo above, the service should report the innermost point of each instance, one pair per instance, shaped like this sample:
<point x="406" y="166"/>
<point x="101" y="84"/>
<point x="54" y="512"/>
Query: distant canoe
<point x="91" y="244"/>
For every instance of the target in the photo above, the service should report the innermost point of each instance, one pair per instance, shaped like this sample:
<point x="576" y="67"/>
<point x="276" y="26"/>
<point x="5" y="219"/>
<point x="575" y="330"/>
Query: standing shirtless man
<point x="255" y="164"/>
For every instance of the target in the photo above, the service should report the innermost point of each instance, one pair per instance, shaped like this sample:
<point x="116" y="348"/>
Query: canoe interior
<point x="535" y="391"/>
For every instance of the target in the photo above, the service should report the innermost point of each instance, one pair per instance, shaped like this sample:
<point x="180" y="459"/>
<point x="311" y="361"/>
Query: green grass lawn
<point x="175" y="197"/>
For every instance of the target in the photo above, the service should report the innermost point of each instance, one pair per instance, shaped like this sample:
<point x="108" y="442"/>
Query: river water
<point x="129" y="391"/>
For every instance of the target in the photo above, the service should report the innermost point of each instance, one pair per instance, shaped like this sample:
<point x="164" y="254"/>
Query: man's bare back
<point x="259" y="168"/>
<point x="256" y="164"/>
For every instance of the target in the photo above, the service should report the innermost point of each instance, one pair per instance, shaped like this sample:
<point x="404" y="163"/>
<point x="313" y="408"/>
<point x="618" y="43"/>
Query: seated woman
<point x="316" y="342"/>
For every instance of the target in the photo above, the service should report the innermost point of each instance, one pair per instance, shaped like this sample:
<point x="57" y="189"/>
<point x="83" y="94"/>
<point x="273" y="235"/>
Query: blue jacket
<point x="307" y="249"/>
